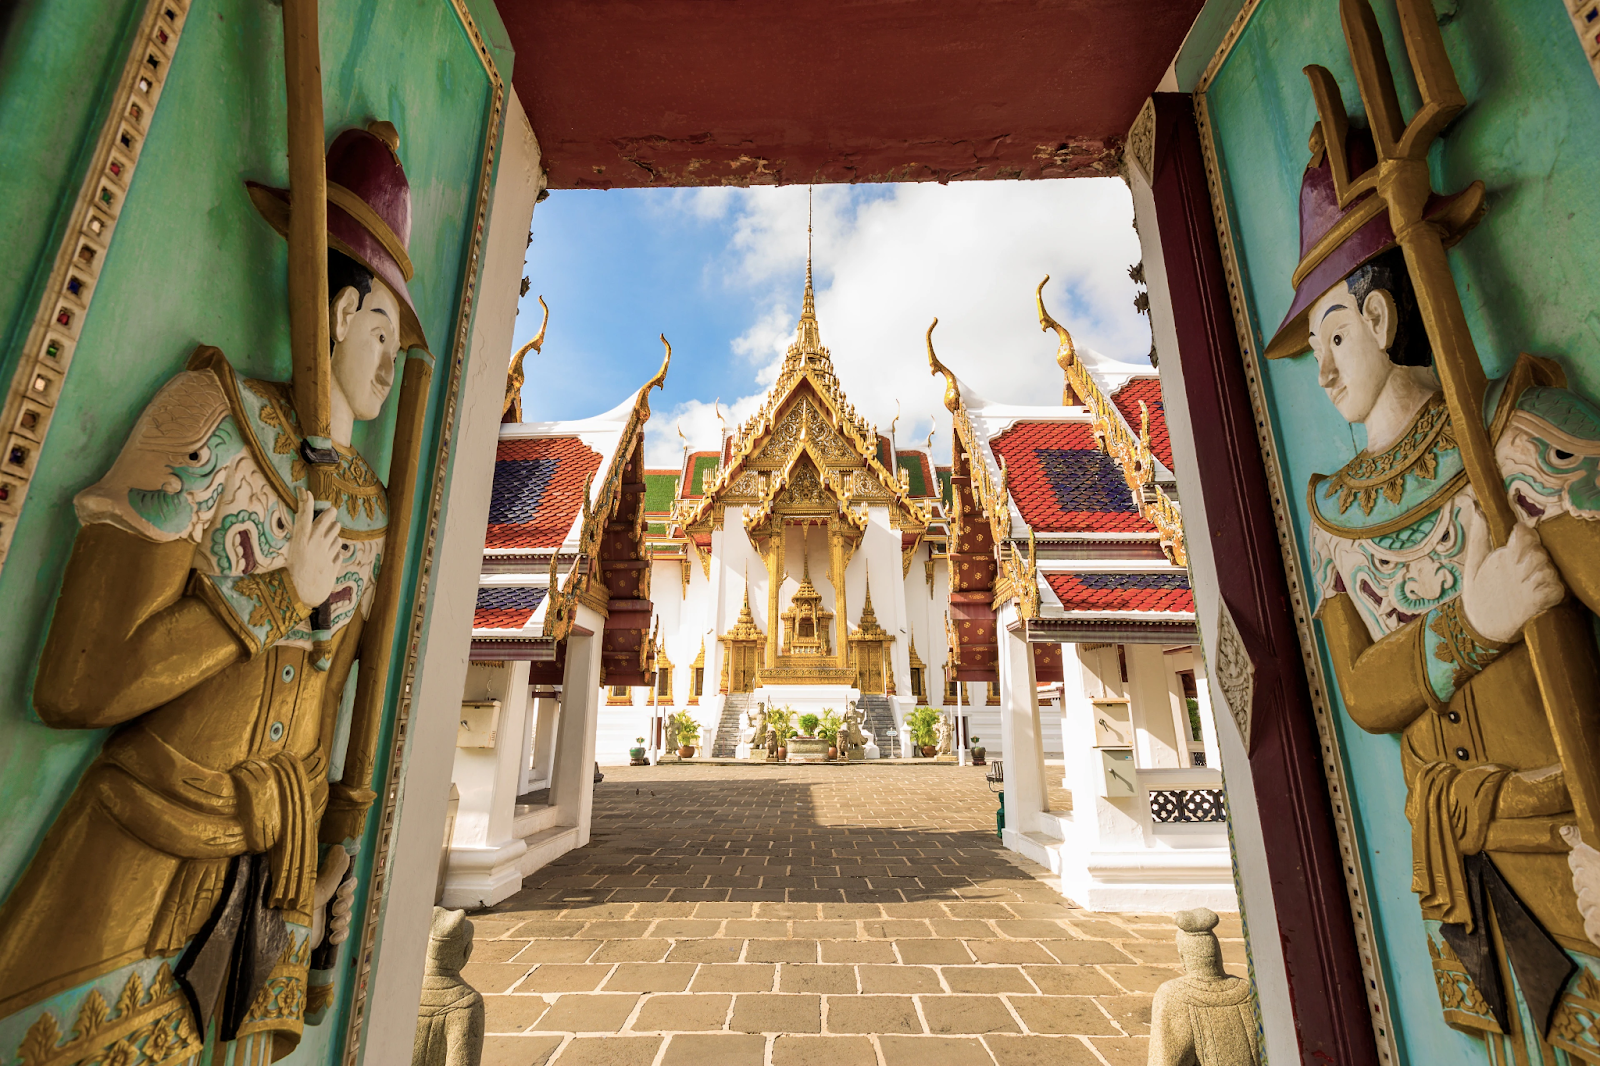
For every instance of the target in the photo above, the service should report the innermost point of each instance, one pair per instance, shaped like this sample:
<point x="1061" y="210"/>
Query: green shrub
<point x="808" y="725"/>
<point x="828" y="728"/>
<point x="685" y="728"/>
<point x="921" y="724"/>
<point x="781" y="721"/>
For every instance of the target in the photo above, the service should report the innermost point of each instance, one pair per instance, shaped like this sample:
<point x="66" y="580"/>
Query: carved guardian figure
<point x="1205" y="1017"/>
<point x="211" y="613"/>
<point x="1426" y="621"/>
<point x="450" y="1021"/>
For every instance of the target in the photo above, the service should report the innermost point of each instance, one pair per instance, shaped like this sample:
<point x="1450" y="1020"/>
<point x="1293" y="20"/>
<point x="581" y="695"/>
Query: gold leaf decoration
<point x="92" y="1014"/>
<point x="132" y="993"/>
<point x="40" y="1043"/>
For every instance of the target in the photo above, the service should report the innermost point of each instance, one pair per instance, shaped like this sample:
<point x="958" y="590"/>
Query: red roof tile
<point x="538" y="490"/>
<point x="506" y="608"/>
<point x="1127" y="400"/>
<point x="1063" y="483"/>
<point x="1123" y="592"/>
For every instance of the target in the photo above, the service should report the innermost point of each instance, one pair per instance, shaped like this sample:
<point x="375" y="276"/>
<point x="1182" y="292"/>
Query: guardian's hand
<point x="1584" y="862"/>
<point x="331" y="886"/>
<point x="314" y="549"/>
<point x="1506" y="588"/>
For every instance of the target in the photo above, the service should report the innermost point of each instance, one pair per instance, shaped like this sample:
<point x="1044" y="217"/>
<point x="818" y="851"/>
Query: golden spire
<point x="807" y="349"/>
<point x="869" y="617"/>
<point x="952" y="391"/>
<point x="807" y="592"/>
<point x="745" y="617"/>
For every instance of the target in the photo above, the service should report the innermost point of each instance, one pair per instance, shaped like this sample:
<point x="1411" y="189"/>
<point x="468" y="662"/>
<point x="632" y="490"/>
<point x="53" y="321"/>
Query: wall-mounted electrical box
<point x="480" y="720"/>
<point x="1113" y="723"/>
<point x="1117" y="775"/>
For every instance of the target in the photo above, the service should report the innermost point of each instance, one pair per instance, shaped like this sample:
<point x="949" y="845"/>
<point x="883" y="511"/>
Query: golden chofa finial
<point x="1066" y="351"/>
<point x="661" y="375"/>
<point x="512" y="411"/>
<point x="952" y="391"/>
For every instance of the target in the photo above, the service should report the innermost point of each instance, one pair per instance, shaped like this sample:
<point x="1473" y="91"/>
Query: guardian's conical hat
<point x="369" y="212"/>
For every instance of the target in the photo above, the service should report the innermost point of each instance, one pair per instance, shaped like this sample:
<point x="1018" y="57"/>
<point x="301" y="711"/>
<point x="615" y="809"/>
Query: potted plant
<point x="636" y="754"/>
<point x="781" y="722"/>
<point x="809" y="745"/>
<point x="828" y="730"/>
<point x="921" y="724"/>
<point x="688" y="732"/>
<point x="977" y="753"/>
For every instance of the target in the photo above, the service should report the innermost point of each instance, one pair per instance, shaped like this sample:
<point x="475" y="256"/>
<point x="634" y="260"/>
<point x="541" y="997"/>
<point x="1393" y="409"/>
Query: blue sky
<point x="720" y="271"/>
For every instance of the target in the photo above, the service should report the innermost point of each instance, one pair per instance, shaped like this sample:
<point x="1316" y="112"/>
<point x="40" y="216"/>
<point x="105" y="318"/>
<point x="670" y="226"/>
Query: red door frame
<point x="1316" y="933"/>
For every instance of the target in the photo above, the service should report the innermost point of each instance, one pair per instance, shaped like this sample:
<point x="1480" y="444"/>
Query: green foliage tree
<point x="808" y="725"/>
<point x="828" y="728"/>
<point x="921" y="723"/>
<point x="781" y="721"/>
<point x="685" y="727"/>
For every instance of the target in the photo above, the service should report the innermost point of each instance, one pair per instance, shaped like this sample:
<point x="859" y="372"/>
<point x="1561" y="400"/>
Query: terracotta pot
<point x="833" y="753"/>
<point x="929" y="751"/>
<point x="783" y="753"/>
<point x="686" y="751"/>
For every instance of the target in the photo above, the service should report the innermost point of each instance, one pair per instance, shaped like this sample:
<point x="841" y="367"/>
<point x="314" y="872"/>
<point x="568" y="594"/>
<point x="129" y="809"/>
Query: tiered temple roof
<point x="805" y="411"/>
<point x="1067" y="510"/>
<point x="565" y="526"/>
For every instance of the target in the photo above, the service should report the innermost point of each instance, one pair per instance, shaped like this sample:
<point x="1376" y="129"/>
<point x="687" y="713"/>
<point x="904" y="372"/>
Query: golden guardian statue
<point x="213" y="606"/>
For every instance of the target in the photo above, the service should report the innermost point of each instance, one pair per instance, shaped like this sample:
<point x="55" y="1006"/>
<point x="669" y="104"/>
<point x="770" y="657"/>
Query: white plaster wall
<point x="1255" y="884"/>
<point x="396" y="979"/>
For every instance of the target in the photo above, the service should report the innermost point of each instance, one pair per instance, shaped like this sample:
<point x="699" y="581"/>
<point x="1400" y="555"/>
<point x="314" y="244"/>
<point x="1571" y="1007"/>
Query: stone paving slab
<point x="811" y="916"/>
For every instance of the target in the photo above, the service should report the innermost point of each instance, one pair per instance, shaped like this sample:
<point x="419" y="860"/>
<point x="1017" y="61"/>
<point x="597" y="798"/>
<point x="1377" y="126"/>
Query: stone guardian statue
<point x="450" y="1019"/>
<point x="1205" y="1017"/>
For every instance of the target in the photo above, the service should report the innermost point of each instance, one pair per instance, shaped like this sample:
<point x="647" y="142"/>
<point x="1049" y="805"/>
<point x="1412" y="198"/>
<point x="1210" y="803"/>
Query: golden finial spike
<point x="1066" y="350"/>
<point x="661" y="375"/>
<point x="515" y="376"/>
<point x="952" y="391"/>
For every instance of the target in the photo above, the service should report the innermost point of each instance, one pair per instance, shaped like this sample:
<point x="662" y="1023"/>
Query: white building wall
<point x="419" y="830"/>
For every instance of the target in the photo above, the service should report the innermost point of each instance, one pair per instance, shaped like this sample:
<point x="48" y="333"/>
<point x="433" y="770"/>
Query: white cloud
<point x="888" y="259"/>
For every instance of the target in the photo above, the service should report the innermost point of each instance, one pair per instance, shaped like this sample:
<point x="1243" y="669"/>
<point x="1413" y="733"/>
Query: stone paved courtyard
<point x="734" y="915"/>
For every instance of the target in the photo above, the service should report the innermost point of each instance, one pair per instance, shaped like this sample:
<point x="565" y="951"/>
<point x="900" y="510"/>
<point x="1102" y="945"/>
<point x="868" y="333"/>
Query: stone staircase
<point x="878" y="718"/>
<point x="726" y="743"/>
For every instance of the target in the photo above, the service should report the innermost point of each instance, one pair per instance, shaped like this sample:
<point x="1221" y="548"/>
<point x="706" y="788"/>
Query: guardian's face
<point x="1351" y="346"/>
<point x="366" y="344"/>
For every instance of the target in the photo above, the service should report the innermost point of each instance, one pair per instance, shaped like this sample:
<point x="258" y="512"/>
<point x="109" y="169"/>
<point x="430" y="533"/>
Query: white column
<point x="1099" y="824"/>
<point x="1150" y="689"/>
<point x="572" y="774"/>
<point x="547" y="711"/>
<point x="1020" y="736"/>
<point x="1208" y="723"/>
<point x="525" y="765"/>
<point x="485" y="854"/>
<point x="1072" y="691"/>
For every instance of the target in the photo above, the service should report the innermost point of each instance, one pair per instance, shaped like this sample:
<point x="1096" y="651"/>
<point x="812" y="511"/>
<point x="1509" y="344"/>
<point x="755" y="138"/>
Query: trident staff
<point x="309" y="350"/>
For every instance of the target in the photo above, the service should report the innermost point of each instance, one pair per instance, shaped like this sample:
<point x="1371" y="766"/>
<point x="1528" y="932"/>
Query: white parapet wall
<point x="1140" y="835"/>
